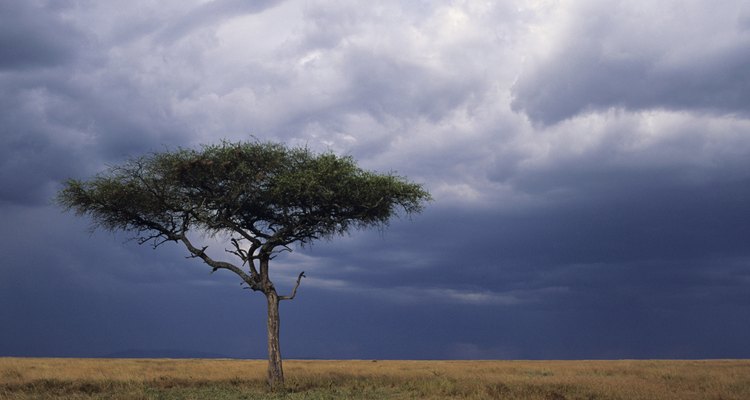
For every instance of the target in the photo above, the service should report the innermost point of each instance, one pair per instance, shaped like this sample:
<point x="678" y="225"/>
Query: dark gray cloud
<point x="55" y="131"/>
<point x="636" y="57"/>
<point x="32" y="35"/>
<point x="38" y="51"/>
<point x="614" y="233"/>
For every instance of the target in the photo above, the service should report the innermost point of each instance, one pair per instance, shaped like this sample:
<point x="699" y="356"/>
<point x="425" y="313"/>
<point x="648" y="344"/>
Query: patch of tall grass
<point x="85" y="379"/>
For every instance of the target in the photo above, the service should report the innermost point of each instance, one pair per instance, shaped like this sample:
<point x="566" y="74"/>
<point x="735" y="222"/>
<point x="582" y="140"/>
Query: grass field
<point x="56" y="378"/>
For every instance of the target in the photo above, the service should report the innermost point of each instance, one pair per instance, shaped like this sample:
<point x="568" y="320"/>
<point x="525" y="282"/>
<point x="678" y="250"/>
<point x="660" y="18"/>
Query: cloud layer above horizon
<point x="589" y="162"/>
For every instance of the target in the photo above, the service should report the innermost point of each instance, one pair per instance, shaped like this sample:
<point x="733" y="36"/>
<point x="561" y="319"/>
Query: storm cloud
<point x="588" y="162"/>
<point x="639" y="56"/>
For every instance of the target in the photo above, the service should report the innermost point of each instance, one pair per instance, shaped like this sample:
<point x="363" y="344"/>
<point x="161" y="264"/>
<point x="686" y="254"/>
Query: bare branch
<point x="216" y="265"/>
<point x="294" y="291"/>
<point x="245" y="255"/>
<point x="253" y="239"/>
<point x="157" y="238"/>
<point x="275" y="252"/>
<point x="238" y="251"/>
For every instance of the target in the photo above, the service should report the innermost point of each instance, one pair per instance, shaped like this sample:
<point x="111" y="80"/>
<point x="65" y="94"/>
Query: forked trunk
<point x="275" y="370"/>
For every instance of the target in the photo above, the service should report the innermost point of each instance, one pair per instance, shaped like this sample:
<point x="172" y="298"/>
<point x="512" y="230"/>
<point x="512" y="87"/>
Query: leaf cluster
<point x="266" y="192"/>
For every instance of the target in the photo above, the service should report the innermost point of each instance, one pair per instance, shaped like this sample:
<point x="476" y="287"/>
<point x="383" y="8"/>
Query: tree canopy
<point x="265" y="193"/>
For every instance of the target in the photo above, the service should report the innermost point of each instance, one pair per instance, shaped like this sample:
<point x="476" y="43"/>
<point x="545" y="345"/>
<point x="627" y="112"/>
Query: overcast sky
<point x="589" y="162"/>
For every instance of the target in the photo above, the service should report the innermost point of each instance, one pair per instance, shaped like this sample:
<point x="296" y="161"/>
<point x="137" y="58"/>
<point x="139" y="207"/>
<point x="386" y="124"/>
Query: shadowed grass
<point x="37" y="378"/>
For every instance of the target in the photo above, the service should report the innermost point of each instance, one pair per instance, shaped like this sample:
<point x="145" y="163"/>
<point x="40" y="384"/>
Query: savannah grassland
<point x="58" y="378"/>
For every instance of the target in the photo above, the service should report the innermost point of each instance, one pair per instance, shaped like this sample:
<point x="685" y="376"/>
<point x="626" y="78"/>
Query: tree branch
<point x="294" y="291"/>
<point x="253" y="239"/>
<point x="157" y="238"/>
<point x="242" y="254"/>
<point x="246" y="256"/>
<point x="201" y="253"/>
<point x="274" y="252"/>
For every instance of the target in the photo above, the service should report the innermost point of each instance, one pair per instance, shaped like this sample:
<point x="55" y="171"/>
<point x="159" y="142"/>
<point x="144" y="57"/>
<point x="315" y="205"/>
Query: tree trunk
<point x="275" y="371"/>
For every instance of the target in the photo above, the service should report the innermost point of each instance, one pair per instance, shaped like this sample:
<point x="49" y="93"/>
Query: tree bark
<point x="275" y="370"/>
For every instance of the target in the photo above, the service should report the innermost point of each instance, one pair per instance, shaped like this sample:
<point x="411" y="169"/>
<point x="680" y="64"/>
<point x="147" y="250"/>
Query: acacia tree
<point x="262" y="197"/>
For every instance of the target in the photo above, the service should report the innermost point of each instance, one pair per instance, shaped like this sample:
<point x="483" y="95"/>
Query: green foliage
<point x="261" y="190"/>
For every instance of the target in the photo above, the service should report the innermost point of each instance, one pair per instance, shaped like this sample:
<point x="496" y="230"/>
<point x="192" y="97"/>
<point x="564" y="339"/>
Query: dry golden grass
<point x="50" y="378"/>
